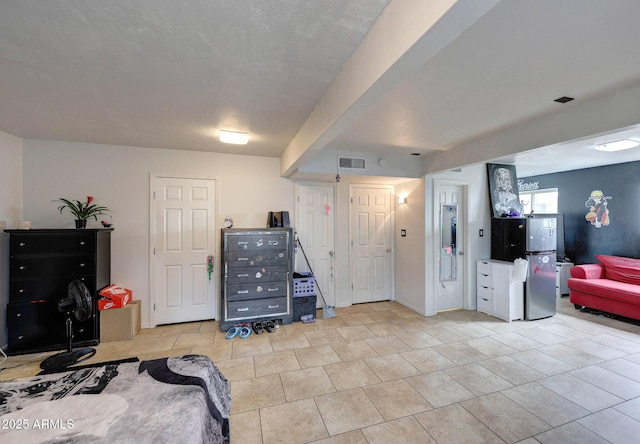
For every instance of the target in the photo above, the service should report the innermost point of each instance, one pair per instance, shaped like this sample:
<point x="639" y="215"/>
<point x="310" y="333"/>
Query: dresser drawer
<point x="40" y="325"/>
<point x="263" y="274"/>
<point x="484" y="267"/>
<point x="39" y="266"/>
<point x="257" y="308"/>
<point x="484" y="304"/>
<point x="47" y="243"/>
<point x="53" y="289"/>
<point x="258" y="242"/>
<point x="484" y="280"/>
<point x="485" y="293"/>
<point x="236" y="292"/>
<point x="257" y="258"/>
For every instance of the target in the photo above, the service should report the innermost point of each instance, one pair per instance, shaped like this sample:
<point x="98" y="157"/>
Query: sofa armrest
<point x="587" y="271"/>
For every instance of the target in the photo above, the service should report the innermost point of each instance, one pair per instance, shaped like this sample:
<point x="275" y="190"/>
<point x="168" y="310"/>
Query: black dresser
<point x="42" y="264"/>
<point x="256" y="275"/>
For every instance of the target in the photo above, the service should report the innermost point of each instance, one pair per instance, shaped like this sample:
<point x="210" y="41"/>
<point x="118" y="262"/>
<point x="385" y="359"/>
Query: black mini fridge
<point x="533" y="239"/>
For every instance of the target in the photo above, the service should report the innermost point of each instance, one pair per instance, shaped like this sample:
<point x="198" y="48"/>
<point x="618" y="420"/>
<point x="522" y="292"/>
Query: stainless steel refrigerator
<point x="540" y="252"/>
<point x="533" y="239"/>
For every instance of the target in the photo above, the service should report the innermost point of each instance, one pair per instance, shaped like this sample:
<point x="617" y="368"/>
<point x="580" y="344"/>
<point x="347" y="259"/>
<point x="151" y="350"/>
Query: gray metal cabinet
<point x="256" y="275"/>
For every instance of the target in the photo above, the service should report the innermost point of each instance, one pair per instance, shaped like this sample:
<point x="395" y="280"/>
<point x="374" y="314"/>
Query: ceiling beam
<point x="579" y="120"/>
<point x="407" y="35"/>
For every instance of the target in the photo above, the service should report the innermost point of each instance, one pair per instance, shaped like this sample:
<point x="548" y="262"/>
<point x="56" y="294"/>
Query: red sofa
<point x="612" y="286"/>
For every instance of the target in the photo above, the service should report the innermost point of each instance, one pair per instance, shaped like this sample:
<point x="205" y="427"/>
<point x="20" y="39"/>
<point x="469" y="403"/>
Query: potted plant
<point x="81" y="210"/>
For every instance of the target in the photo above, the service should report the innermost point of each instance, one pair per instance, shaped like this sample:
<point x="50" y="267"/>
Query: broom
<point x="328" y="312"/>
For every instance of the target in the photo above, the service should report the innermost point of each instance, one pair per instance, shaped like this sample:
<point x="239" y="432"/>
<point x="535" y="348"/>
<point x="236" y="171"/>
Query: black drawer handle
<point x="273" y="289"/>
<point x="243" y="275"/>
<point x="18" y="315"/>
<point x="20" y="338"/>
<point x="21" y="290"/>
<point x="273" y="306"/>
<point x="82" y="242"/>
<point x="243" y="259"/>
<point x="486" y="300"/>
<point x="82" y="265"/>
<point x="22" y="244"/>
<point x="243" y="309"/>
<point x="23" y="267"/>
<point x="242" y="291"/>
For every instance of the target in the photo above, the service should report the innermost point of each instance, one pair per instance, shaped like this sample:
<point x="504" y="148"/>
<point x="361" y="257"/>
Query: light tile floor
<point x="381" y="373"/>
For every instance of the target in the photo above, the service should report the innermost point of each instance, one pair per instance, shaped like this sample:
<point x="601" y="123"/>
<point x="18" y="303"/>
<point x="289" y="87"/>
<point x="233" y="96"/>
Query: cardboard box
<point x="120" y="324"/>
<point x="114" y="296"/>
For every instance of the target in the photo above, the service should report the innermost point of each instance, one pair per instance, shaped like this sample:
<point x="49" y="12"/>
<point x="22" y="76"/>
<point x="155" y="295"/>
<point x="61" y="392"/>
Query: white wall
<point x="10" y="213"/>
<point x="118" y="177"/>
<point x="399" y="165"/>
<point x="410" y="250"/>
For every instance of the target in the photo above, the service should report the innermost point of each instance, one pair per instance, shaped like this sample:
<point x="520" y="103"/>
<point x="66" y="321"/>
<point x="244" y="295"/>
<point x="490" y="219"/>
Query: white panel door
<point x="184" y="237"/>
<point x="315" y="228"/>
<point x="371" y="243"/>
<point x="450" y="292"/>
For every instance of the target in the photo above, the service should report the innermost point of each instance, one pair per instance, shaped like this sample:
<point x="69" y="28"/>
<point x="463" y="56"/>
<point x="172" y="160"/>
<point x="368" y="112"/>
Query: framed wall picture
<point x="503" y="190"/>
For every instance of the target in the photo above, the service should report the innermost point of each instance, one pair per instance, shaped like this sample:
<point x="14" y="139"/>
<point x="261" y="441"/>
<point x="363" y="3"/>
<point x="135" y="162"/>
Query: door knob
<point x="461" y="253"/>
<point x="388" y="250"/>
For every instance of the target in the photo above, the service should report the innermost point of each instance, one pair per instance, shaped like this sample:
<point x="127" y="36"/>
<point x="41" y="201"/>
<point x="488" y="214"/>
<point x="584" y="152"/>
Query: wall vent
<point x="354" y="163"/>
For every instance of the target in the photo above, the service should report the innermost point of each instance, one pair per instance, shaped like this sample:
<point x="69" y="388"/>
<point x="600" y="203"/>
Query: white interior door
<point x="315" y="224"/>
<point x="371" y="243"/>
<point x="450" y="263"/>
<point x="184" y="221"/>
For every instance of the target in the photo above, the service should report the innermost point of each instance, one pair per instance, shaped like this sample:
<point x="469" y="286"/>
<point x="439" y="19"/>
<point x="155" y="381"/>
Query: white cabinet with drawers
<point x="497" y="293"/>
<point x="562" y="276"/>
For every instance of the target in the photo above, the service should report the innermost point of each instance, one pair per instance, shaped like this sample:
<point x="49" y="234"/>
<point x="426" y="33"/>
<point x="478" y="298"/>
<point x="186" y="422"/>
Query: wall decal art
<point x="598" y="213"/>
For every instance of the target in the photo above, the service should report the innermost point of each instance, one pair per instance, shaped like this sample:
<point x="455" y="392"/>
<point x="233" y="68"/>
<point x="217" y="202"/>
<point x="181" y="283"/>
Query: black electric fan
<point x="78" y="304"/>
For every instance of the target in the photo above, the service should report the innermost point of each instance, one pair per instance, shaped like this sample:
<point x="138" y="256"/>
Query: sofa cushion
<point x="606" y="288"/>
<point x="622" y="269"/>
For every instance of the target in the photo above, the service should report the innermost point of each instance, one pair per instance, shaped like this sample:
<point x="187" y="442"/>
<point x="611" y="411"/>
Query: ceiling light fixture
<point x="618" y="145"/>
<point x="233" y="137"/>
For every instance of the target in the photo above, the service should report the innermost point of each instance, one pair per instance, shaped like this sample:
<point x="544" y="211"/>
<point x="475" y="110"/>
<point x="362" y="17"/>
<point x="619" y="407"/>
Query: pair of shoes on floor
<point x="242" y="330"/>
<point x="260" y="326"/>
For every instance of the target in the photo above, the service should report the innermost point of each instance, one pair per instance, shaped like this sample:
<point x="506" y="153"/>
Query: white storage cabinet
<point x="498" y="294"/>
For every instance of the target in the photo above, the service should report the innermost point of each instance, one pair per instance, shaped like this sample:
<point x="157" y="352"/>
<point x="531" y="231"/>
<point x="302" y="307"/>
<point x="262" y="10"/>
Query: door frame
<point x="392" y="218"/>
<point x="467" y="299"/>
<point x="334" y="219"/>
<point x="152" y="237"/>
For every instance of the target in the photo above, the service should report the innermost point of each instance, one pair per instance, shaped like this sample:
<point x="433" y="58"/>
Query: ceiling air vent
<point x="354" y="163"/>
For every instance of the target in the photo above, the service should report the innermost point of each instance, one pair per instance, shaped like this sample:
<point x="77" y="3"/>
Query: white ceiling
<point x="303" y="75"/>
